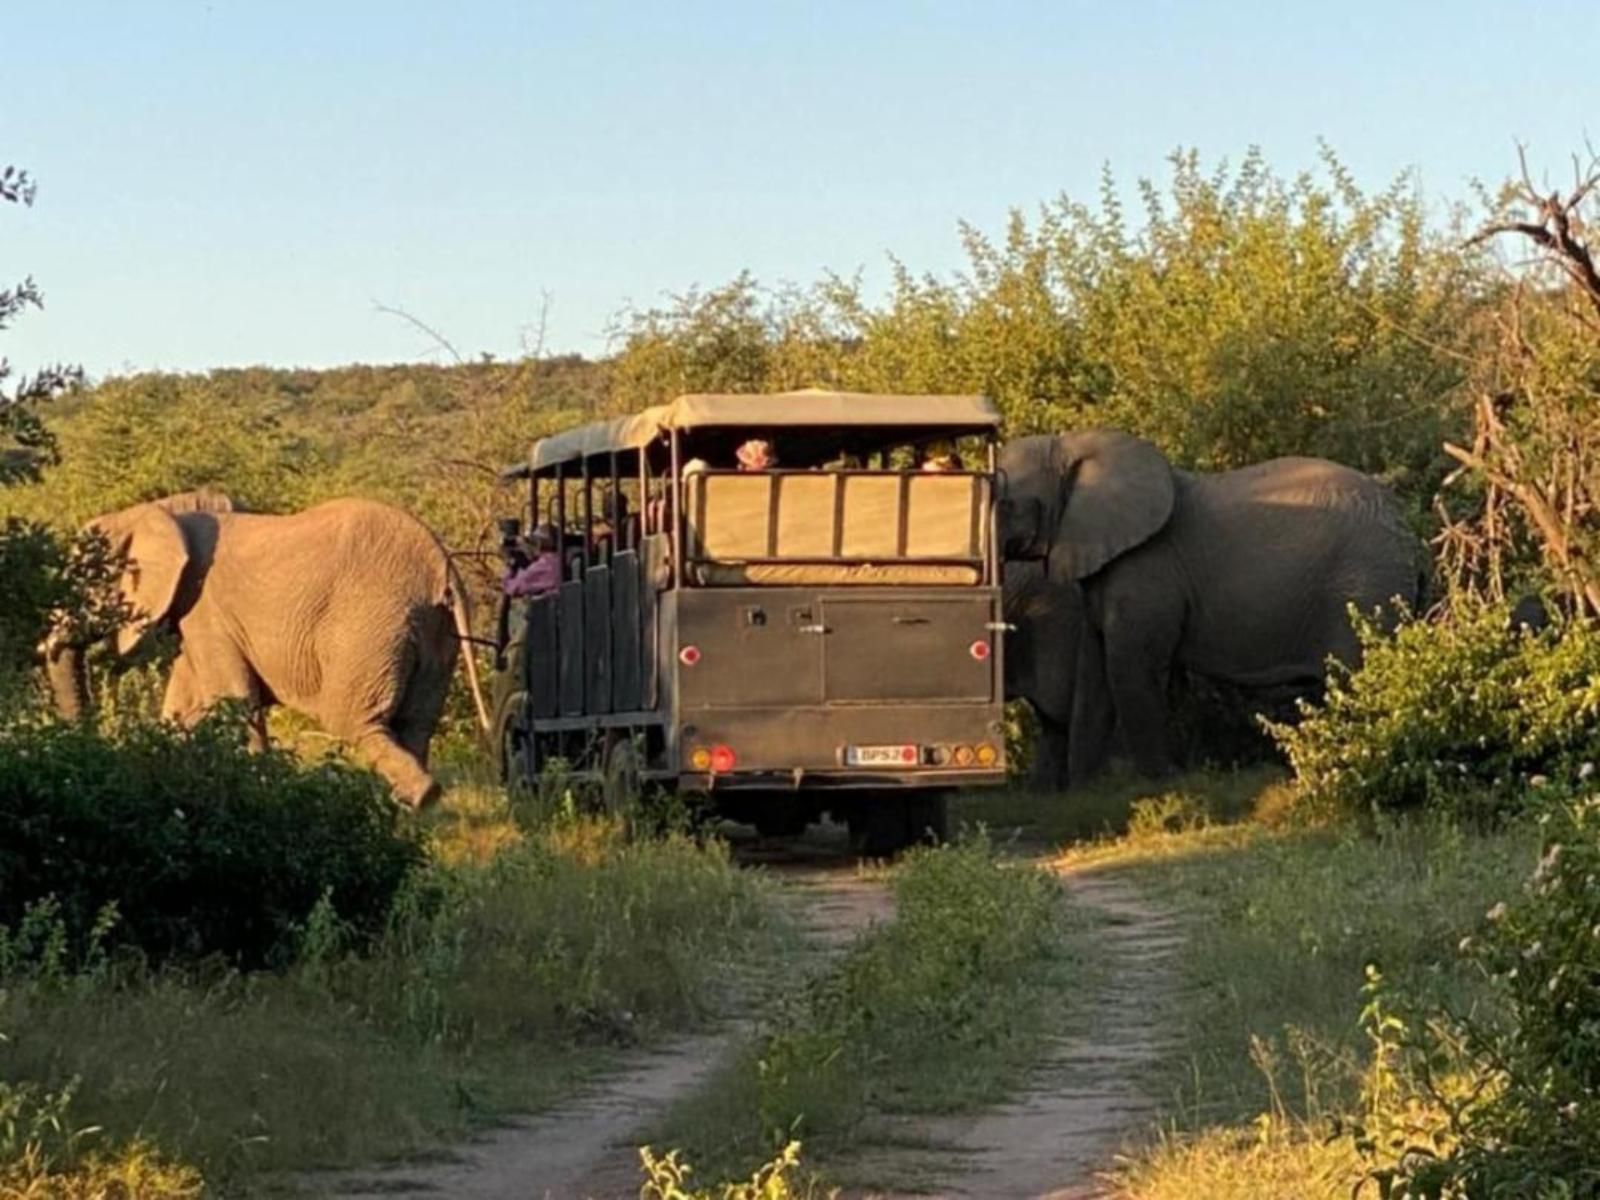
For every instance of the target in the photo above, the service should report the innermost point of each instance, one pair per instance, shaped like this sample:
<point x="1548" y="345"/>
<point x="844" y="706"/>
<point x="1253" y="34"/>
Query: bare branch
<point x="438" y="338"/>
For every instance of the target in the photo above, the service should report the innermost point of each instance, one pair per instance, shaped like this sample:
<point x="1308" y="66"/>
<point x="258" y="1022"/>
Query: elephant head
<point x="1078" y="500"/>
<point x="149" y="545"/>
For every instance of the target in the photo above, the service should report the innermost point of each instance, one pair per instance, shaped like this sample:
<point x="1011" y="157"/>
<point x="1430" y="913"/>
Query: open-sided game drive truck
<point x="823" y="635"/>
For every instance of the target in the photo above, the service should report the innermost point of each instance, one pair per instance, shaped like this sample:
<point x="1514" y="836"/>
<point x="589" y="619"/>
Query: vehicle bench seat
<point x="889" y="528"/>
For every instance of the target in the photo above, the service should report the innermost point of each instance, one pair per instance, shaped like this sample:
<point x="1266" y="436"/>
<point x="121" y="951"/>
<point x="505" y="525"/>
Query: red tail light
<point x="979" y="650"/>
<point x="723" y="759"/>
<point x="689" y="655"/>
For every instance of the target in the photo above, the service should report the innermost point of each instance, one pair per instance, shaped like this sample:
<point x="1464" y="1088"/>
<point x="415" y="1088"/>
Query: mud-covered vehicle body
<point x="816" y="637"/>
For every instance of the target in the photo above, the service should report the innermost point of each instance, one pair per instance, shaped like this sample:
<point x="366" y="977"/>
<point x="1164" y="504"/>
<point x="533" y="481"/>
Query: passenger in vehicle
<point x="943" y="457"/>
<point x="608" y="534"/>
<point x="543" y="572"/>
<point x="756" y="454"/>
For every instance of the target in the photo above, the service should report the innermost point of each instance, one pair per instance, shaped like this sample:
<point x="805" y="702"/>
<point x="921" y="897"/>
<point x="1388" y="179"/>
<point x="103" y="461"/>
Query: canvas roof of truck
<point x="947" y="414"/>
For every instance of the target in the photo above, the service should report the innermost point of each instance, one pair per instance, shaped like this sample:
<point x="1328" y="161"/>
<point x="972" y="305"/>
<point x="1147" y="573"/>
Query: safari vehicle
<point x="815" y="637"/>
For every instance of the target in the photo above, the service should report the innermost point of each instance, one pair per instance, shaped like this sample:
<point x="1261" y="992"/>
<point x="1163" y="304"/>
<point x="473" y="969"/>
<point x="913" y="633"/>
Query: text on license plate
<point x="880" y="756"/>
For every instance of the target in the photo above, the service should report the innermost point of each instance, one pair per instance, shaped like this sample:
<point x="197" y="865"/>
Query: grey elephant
<point x="350" y="612"/>
<point x="1122" y="569"/>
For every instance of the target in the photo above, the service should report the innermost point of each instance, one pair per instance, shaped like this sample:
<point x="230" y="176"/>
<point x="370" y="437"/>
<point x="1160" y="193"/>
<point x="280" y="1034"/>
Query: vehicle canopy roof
<point x="815" y="418"/>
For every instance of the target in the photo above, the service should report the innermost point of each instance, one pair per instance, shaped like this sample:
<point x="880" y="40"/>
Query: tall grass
<point x="502" y="979"/>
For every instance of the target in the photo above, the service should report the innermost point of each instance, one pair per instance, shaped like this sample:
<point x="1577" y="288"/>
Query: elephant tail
<point x="463" y="622"/>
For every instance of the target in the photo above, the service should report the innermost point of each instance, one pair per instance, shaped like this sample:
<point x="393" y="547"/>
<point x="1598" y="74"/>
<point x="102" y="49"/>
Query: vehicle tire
<point x="517" y="767"/>
<point x="782" y="817"/>
<point x="619" y="784"/>
<point x="884" y="826"/>
<point x="928" y="818"/>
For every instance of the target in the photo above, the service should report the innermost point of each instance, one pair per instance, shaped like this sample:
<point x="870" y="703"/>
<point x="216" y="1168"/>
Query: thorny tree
<point x="1536" y="439"/>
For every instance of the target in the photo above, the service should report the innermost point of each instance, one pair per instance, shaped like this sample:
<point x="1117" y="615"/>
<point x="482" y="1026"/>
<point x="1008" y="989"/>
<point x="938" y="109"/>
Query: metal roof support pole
<point x="618" y="525"/>
<point x="992" y="557"/>
<point x="561" y="517"/>
<point x="676" y="486"/>
<point x="588" y="517"/>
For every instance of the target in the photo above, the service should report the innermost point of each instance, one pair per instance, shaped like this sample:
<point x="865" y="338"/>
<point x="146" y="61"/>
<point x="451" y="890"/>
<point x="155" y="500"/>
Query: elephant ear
<point x="1117" y="492"/>
<point x="155" y="554"/>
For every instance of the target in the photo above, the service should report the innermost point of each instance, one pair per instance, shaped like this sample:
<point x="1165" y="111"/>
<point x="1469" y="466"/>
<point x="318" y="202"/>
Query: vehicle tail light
<point x="689" y="655"/>
<point x="700" y="758"/>
<point x="938" y="756"/>
<point x="962" y="756"/>
<point x="979" y="650"/>
<point x="723" y="759"/>
<point x="987" y="755"/>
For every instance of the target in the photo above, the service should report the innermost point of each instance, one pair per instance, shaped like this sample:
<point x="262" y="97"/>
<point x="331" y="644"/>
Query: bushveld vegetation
<point x="1389" y="974"/>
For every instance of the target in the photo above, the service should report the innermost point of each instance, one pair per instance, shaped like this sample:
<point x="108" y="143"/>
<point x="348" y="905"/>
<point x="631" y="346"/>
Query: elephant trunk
<point x="69" y="681"/>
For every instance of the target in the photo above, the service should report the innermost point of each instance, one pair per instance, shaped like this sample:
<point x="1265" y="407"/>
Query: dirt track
<point x="1052" y="1141"/>
<point x="1057" y="1137"/>
<point x="590" y="1148"/>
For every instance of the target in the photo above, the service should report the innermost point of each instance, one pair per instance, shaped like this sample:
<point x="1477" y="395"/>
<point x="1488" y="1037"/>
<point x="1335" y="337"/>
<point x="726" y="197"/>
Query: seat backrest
<point x="811" y="516"/>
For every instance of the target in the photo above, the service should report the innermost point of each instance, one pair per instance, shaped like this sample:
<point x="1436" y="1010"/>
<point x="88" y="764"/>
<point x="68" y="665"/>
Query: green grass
<point x="1281" y="923"/>
<point x="523" y="961"/>
<point x="944" y="1009"/>
<point x="1279" y="934"/>
<point x="1123" y="816"/>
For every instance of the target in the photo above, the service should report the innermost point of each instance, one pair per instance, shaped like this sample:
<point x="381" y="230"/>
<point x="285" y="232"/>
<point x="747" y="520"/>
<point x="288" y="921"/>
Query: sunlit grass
<point x="529" y="956"/>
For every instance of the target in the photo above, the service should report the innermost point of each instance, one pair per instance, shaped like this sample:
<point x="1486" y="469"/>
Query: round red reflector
<point x="689" y="655"/>
<point x="909" y="754"/>
<point x="979" y="650"/>
<point x="723" y="759"/>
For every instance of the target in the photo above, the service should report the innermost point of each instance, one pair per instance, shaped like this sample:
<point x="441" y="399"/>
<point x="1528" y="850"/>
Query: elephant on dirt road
<point x="1128" y="569"/>
<point x="349" y="612"/>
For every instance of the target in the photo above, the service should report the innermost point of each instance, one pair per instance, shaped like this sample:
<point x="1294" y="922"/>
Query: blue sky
<point x="233" y="183"/>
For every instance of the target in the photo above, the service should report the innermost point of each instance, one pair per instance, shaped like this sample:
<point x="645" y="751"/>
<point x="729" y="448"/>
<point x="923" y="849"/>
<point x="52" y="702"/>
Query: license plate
<point x="880" y="756"/>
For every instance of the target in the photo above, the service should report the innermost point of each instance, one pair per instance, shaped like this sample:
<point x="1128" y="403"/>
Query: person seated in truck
<point x="543" y="572"/>
<point x="942" y="456"/>
<point x="756" y="454"/>
<point x="610" y="531"/>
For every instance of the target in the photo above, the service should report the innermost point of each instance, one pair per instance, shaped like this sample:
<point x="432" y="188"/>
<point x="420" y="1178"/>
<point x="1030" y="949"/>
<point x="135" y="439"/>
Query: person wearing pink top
<point x="541" y="575"/>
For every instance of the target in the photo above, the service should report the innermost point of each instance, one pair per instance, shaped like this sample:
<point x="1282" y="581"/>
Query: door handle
<point x="813" y="629"/>
<point x="910" y="620"/>
<point x="1000" y="626"/>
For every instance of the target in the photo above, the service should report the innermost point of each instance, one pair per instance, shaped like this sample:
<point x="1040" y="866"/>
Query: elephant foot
<point x="419" y="794"/>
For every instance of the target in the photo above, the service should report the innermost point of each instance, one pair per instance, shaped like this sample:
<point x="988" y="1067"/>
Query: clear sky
<point x="226" y="183"/>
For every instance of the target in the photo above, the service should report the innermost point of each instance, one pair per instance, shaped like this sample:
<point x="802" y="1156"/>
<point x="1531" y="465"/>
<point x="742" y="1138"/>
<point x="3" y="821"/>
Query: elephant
<point x="350" y="612"/>
<point x="1121" y="570"/>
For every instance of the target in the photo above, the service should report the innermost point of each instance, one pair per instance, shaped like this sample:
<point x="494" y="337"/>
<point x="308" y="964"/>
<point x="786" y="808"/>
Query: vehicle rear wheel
<point x="619" y="785"/>
<point x="882" y="826"/>
<point x="781" y="817"/>
<point x="928" y="817"/>
<point x="517" y="767"/>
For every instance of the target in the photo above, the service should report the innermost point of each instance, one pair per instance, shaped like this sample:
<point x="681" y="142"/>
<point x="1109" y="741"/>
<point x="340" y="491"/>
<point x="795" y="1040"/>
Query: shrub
<point x="202" y="847"/>
<point x="1454" y="715"/>
<point x="1509" y="1092"/>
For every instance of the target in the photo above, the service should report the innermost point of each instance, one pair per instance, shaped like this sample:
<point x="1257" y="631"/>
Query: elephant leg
<point x="379" y="749"/>
<point x="199" y="679"/>
<point x="181" y="703"/>
<point x="1048" y="771"/>
<point x="422" y="703"/>
<point x="1094" y="716"/>
<point x="1137" y="662"/>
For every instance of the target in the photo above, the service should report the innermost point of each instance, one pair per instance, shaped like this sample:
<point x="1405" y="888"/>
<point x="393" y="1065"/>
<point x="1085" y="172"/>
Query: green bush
<point x="1511" y="1087"/>
<point x="1456" y="715"/>
<point x="201" y="847"/>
